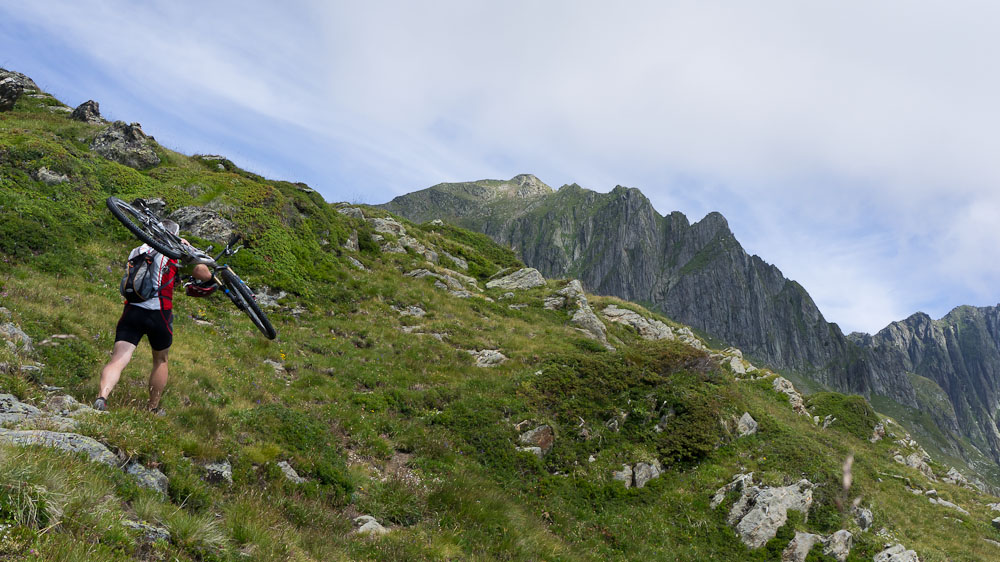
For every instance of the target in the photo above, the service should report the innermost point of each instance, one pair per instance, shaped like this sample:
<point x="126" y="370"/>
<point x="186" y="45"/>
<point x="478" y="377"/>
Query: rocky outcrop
<point x="88" y="112"/>
<point x="18" y="341"/>
<point x="896" y="553"/>
<point x="290" y="473"/>
<point x="205" y="222"/>
<point x="219" y="472"/>
<point x="527" y="278"/>
<point x="127" y="145"/>
<point x="785" y="386"/>
<point x="12" y="86"/>
<point x="488" y="357"/>
<point x="648" y="328"/>
<point x="639" y="474"/>
<point x="761" y="510"/>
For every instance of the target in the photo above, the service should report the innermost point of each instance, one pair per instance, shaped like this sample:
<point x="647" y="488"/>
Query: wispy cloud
<point x="852" y="144"/>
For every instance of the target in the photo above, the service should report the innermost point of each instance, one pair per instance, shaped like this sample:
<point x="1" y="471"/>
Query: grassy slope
<point x="402" y="427"/>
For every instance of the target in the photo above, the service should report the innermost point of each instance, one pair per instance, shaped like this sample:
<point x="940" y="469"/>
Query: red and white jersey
<point x="164" y="281"/>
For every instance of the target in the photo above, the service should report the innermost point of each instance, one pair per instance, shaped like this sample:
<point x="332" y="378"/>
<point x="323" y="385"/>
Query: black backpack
<point x="139" y="283"/>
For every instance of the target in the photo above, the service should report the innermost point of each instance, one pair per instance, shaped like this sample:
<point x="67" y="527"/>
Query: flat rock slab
<point x="521" y="279"/>
<point x="69" y="442"/>
<point x="649" y="329"/>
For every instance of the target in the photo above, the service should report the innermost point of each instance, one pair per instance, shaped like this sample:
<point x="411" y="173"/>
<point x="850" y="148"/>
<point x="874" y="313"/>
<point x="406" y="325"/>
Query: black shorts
<point x="136" y="322"/>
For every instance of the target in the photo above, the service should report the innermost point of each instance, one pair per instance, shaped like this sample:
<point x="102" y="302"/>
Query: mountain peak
<point x="529" y="186"/>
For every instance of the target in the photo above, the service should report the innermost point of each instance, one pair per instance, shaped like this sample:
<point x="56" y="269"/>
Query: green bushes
<point x="854" y="414"/>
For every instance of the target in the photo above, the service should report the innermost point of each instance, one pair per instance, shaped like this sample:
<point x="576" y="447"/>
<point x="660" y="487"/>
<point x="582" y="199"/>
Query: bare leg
<point x="157" y="378"/>
<point x="120" y="356"/>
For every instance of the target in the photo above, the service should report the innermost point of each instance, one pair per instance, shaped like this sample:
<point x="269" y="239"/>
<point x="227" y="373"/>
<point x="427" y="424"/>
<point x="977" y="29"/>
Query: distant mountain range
<point x="697" y="273"/>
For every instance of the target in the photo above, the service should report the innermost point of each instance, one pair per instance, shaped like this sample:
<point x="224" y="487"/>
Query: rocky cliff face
<point x="699" y="274"/>
<point x="961" y="354"/>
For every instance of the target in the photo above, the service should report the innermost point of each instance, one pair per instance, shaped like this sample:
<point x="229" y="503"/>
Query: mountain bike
<point x="145" y="225"/>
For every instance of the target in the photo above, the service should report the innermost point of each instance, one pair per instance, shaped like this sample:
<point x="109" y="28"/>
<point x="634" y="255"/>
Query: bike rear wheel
<point x="146" y="227"/>
<point x="245" y="301"/>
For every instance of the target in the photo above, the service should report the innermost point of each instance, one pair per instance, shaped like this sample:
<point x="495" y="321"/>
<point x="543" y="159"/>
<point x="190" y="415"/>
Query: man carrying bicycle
<point x="152" y="318"/>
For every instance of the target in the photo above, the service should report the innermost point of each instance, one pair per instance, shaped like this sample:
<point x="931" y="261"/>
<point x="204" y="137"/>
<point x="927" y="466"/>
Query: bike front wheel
<point x="244" y="299"/>
<point x="146" y="227"/>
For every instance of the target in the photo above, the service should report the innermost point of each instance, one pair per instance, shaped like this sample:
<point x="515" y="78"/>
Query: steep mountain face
<point x="698" y="274"/>
<point x="961" y="354"/>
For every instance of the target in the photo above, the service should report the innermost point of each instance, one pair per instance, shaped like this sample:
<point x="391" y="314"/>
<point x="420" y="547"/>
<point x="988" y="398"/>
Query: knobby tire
<point x="131" y="218"/>
<point x="243" y="294"/>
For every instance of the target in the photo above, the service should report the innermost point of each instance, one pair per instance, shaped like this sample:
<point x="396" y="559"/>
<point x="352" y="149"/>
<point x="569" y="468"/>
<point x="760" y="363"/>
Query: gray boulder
<point x="649" y="329"/>
<point x="219" y="472"/>
<point x="896" y="553"/>
<point x="388" y="226"/>
<point x="69" y="442"/>
<point x="864" y="518"/>
<point x="88" y="112"/>
<point x="643" y="472"/>
<point x="48" y="177"/>
<point x="996" y="523"/>
<point x="354" y="212"/>
<point x="542" y="437"/>
<point x="957" y="478"/>
<point x="839" y="545"/>
<point x="290" y="473"/>
<point x="367" y="525"/>
<point x="204" y="222"/>
<point x="488" y="357"/>
<point x="746" y="426"/>
<point x="414" y="311"/>
<point x="127" y="145"/>
<point x="587" y="322"/>
<point x="17" y="340"/>
<point x="917" y="461"/>
<point x="149" y="478"/>
<point x="521" y="279"/>
<point x="624" y="475"/>
<point x="799" y="547"/>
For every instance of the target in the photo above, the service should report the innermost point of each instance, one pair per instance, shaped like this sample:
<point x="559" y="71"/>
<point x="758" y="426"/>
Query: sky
<point x="852" y="144"/>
